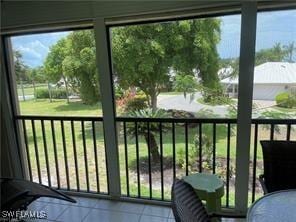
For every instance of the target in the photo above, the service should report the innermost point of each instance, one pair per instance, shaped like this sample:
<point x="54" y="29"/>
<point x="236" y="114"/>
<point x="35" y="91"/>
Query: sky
<point x="272" y="27"/>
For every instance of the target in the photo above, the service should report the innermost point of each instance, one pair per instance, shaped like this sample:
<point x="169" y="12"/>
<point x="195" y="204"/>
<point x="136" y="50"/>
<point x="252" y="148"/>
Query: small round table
<point x="208" y="187"/>
<point x="274" y="207"/>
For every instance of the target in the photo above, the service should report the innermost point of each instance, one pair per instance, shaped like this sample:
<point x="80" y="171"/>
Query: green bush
<point x="139" y="102"/>
<point x="286" y="100"/>
<point x="42" y="93"/>
<point x="55" y="94"/>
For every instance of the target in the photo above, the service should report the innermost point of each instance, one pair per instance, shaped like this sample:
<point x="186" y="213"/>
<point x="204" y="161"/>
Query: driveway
<point x="180" y="103"/>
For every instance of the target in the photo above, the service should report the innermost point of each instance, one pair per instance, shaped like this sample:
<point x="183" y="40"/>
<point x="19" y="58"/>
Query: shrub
<point x="138" y="102"/>
<point x="55" y="94"/>
<point x="119" y="92"/>
<point x="286" y="100"/>
<point x="42" y="93"/>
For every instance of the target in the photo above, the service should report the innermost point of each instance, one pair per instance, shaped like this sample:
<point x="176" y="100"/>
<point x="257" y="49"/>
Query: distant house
<point x="270" y="79"/>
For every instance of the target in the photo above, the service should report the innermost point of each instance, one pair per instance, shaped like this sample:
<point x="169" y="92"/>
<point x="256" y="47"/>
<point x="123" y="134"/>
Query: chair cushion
<point x="279" y="165"/>
<point x="187" y="207"/>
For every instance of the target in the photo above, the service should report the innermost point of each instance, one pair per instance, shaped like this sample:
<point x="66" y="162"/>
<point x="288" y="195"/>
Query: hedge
<point x="286" y="100"/>
<point x="55" y="94"/>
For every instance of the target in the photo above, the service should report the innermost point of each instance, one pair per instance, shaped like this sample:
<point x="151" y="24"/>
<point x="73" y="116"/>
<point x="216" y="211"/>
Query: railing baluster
<point x="27" y="149"/>
<point x="228" y="164"/>
<point x="174" y="150"/>
<point x="214" y="148"/>
<point x="271" y="131"/>
<point x="85" y="155"/>
<point x="149" y="160"/>
<point x="75" y="155"/>
<point x="255" y="162"/>
<point x="55" y="153"/>
<point x="161" y="160"/>
<point x="65" y="154"/>
<point x="288" y="132"/>
<point x="186" y="147"/>
<point x="36" y="151"/>
<point x="138" y="159"/>
<point x="46" y="152"/>
<point x="200" y="146"/>
<point x="96" y="154"/>
<point x="126" y="159"/>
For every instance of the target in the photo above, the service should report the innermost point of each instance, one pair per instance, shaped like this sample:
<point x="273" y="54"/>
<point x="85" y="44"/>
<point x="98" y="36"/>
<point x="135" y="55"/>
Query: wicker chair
<point x="187" y="207"/>
<point x="17" y="194"/>
<point x="279" y="159"/>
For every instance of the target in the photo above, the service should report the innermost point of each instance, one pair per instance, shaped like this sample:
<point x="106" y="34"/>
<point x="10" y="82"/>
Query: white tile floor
<point x="91" y="210"/>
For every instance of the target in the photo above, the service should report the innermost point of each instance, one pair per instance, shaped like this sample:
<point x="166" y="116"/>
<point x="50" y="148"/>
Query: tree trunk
<point x="153" y="97"/>
<point x="67" y="92"/>
<point x="23" y="91"/>
<point x="34" y="87"/>
<point x="49" y="92"/>
<point x="153" y="147"/>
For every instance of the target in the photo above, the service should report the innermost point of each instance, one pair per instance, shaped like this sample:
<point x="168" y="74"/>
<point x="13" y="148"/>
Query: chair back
<point x="187" y="207"/>
<point x="279" y="165"/>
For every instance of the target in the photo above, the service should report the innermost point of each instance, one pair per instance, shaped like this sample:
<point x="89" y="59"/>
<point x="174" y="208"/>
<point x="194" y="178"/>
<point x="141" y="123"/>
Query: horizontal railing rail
<point x="68" y="152"/>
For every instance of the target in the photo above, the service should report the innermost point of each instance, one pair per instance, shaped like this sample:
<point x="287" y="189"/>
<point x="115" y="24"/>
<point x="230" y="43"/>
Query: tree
<point x="36" y="75"/>
<point x="73" y="59"/>
<point x="194" y="45"/>
<point x="142" y="129"/>
<point x="290" y="50"/>
<point x="144" y="55"/>
<point x="140" y="58"/>
<point x="277" y="53"/>
<point x="20" y="68"/>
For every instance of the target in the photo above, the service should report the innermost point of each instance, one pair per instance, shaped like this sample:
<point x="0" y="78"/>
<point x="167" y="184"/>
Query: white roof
<point x="271" y="73"/>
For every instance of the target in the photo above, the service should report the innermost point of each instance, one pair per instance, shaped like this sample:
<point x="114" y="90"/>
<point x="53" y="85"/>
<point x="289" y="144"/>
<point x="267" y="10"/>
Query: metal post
<point x="111" y="146"/>
<point x="245" y="93"/>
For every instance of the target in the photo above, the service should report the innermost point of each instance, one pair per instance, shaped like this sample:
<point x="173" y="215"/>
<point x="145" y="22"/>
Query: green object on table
<point x="208" y="187"/>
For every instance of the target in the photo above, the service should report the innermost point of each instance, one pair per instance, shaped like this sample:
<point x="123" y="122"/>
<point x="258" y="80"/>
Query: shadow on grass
<point x="77" y="106"/>
<point x="155" y="165"/>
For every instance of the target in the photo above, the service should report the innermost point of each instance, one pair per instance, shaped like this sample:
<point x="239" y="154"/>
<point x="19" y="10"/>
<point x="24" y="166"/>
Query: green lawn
<point x="61" y="108"/>
<point x="282" y="109"/>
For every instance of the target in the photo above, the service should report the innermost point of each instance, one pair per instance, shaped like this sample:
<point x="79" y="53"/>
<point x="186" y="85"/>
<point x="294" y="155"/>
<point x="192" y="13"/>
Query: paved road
<point x="27" y="97"/>
<point x="181" y="103"/>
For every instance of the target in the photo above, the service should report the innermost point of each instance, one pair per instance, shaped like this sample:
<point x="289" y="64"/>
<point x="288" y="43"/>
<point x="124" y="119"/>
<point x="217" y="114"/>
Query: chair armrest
<point x="261" y="180"/>
<point x="226" y="215"/>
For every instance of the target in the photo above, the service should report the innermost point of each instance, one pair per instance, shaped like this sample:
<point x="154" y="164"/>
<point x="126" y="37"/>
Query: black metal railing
<point x="266" y="129"/>
<point x="185" y="146"/>
<point x="66" y="152"/>
<point x="69" y="152"/>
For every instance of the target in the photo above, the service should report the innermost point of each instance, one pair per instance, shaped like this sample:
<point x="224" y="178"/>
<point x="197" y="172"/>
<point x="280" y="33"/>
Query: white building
<point x="270" y="79"/>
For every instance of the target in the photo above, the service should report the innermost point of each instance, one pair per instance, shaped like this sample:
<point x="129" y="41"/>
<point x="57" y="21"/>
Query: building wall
<point x="268" y="91"/>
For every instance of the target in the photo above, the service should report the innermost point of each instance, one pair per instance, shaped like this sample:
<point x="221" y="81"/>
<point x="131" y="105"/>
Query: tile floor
<point x="91" y="209"/>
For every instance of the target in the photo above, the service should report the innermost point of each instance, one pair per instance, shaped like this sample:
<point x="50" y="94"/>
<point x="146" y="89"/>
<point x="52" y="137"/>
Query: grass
<point x="228" y="101"/>
<point x="282" y="109"/>
<point x="60" y="107"/>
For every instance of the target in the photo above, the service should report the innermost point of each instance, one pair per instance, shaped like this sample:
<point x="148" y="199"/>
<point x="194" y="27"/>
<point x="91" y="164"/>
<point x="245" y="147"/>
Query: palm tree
<point x="290" y="49"/>
<point x="142" y="129"/>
